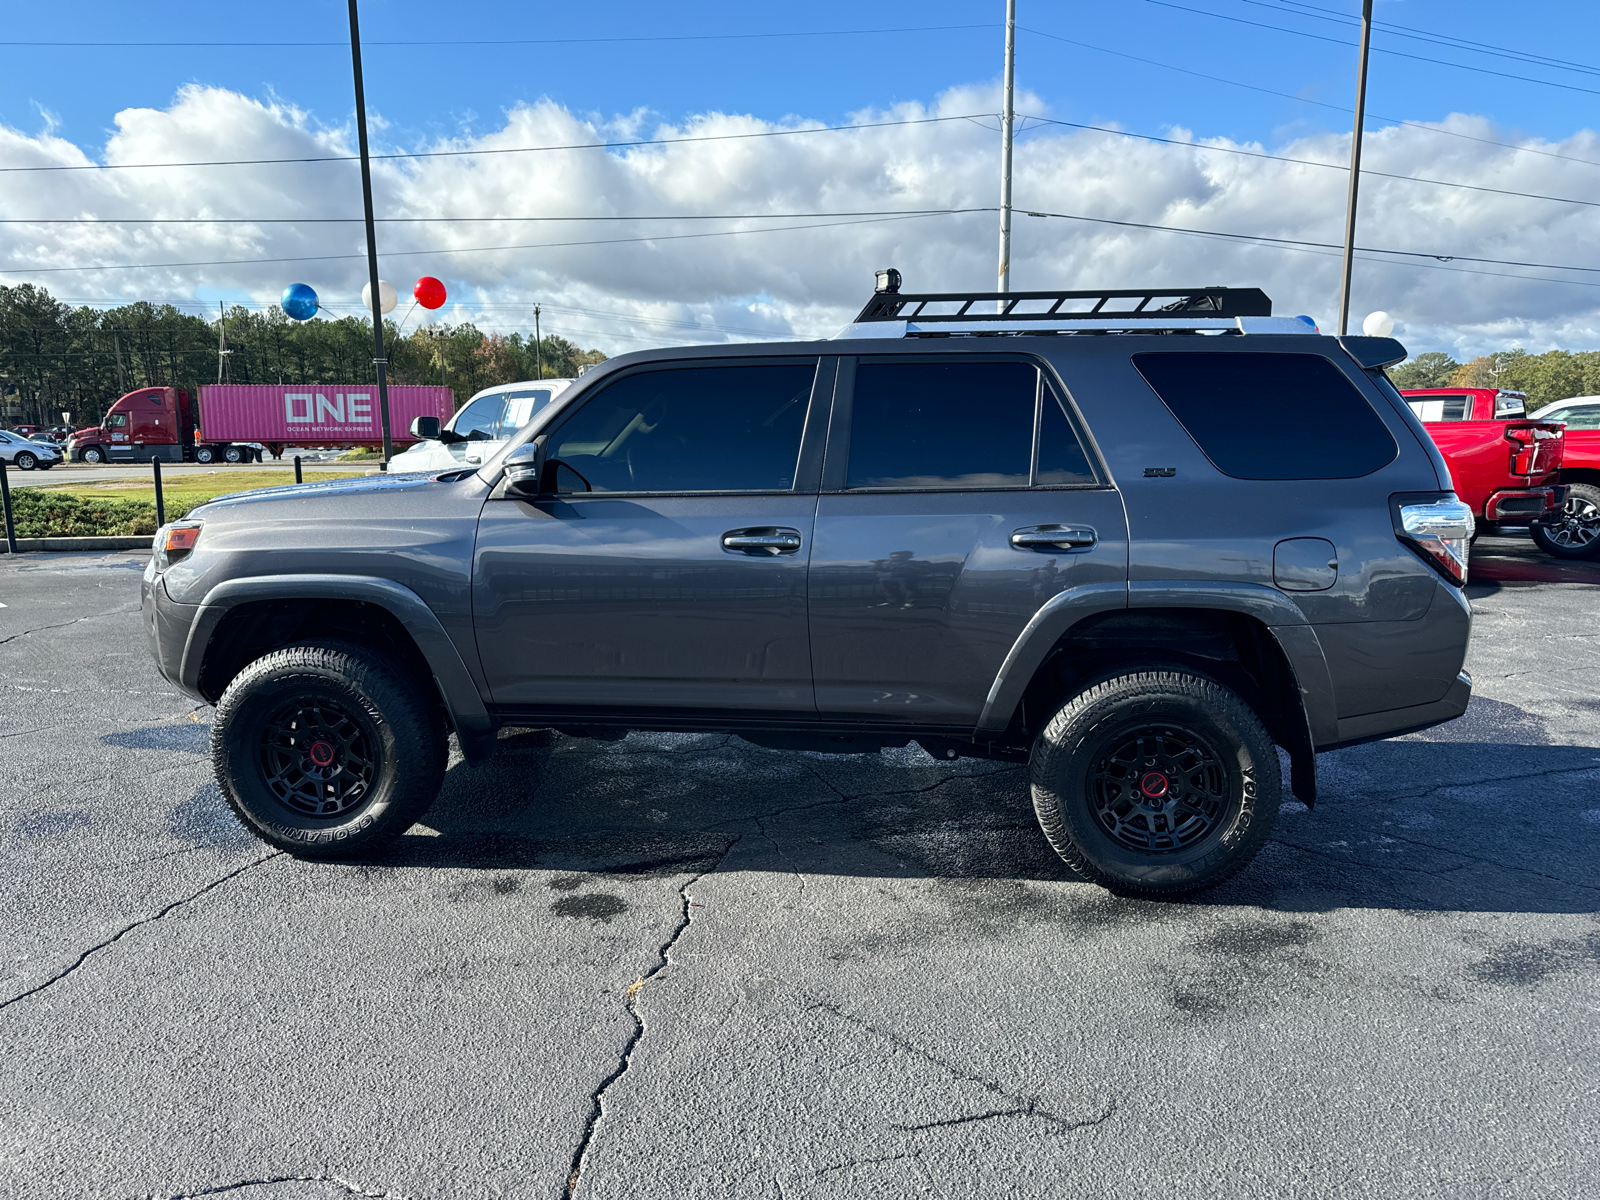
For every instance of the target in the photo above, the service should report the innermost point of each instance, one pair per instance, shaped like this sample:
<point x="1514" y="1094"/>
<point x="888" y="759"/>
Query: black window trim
<point x="837" y="456"/>
<point x="808" y="463"/>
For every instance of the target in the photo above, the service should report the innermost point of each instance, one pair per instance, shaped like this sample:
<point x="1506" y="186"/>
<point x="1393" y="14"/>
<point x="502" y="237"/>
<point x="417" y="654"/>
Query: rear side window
<point x="1271" y="416"/>
<point x="710" y="429"/>
<point x="1441" y="408"/>
<point x="959" y="426"/>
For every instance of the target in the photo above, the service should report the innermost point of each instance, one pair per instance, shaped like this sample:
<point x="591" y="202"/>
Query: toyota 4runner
<point x="1138" y="540"/>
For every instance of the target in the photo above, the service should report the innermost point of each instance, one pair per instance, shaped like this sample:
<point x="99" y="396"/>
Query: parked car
<point x="26" y="454"/>
<point x="481" y="426"/>
<point x="1504" y="465"/>
<point x="1094" y="542"/>
<point x="1575" y="533"/>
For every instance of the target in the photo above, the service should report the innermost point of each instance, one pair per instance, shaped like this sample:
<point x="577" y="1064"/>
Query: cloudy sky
<point x="776" y="162"/>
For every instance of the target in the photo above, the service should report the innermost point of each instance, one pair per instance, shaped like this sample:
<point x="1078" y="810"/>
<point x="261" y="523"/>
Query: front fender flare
<point x="474" y="728"/>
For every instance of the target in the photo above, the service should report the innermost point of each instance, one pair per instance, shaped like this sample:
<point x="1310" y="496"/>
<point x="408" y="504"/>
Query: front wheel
<point x="25" y="461"/>
<point x="1574" y="532"/>
<point x="326" y="750"/>
<point x="1156" y="783"/>
<point x="94" y="455"/>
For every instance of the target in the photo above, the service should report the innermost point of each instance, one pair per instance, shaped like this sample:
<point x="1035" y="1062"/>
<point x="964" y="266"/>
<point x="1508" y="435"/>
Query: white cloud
<point x="689" y="288"/>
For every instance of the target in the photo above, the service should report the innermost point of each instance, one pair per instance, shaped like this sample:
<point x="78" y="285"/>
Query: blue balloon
<point x="299" y="301"/>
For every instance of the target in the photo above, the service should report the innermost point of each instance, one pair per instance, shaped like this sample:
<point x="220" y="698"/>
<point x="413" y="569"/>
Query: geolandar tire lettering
<point x="1156" y="783"/>
<point x="326" y="750"/>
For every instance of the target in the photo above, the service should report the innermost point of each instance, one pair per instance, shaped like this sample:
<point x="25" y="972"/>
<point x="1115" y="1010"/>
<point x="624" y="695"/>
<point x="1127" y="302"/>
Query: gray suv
<point x="1140" y="541"/>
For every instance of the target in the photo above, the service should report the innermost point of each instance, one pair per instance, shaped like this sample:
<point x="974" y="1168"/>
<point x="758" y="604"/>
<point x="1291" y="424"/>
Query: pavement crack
<point x="631" y="1003"/>
<point x="1017" y="1105"/>
<point x="783" y="854"/>
<point x="127" y="929"/>
<point x="63" y="624"/>
<point x="222" y="1189"/>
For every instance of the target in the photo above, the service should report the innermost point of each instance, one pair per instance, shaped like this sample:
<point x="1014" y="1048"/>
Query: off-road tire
<point x="374" y="722"/>
<point x="1564" y="541"/>
<point x="1232" y="770"/>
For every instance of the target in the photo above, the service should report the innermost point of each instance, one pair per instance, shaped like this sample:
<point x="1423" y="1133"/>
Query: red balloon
<point x="429" y="292"/>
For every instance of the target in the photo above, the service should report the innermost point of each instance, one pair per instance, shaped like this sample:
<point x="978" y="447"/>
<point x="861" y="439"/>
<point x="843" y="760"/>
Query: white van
<point x="481" y="426"/>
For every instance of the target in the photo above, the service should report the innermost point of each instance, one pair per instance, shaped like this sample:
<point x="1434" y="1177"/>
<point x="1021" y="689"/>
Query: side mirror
<point x="523" y="467"/>
<point x="425" y="428"/>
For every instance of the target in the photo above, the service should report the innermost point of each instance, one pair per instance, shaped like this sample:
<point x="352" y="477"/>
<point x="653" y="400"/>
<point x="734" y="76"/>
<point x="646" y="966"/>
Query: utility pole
<point x="378" y="360"/>
<point x="1355" y="168"/>
<point x="538" y="342"/>
<point x="222" y="338"/>
<point x="1007" y="118"/>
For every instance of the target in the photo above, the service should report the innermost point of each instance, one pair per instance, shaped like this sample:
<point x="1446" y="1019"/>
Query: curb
<point x="81" y="543"/>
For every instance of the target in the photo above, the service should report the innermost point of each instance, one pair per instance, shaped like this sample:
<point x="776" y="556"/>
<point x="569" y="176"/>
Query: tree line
<point x="58" y="358"/>
<point x="1546" y="378"/>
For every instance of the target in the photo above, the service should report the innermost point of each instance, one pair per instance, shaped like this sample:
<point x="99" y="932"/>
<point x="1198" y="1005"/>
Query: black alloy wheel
<point x="1156" y="783"/>
<point x="1574" y="532"/>
<point x="328" y="749"/>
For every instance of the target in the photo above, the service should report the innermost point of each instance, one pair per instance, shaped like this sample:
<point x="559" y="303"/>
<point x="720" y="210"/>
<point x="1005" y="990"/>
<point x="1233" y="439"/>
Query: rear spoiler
<point x="1374" y="352"/>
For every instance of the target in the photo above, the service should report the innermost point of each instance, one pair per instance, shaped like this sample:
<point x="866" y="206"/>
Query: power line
<point x="891" y="212"/>
<point x="1151" y="62"/>
<point x="327" y="158"/>
<point x="674" y="237"/>
<point x="583" y="41"/>
<point x="1571" y="87"/>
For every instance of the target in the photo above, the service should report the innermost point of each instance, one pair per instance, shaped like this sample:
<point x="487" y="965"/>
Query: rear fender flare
<point x="474" y="728"/>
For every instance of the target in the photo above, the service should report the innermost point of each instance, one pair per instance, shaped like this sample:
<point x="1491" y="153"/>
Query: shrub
<point x="40" y="513"/>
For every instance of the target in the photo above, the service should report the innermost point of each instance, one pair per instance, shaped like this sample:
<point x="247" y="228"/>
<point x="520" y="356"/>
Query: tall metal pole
<point x="1007" y="118"/>
<point x="538" y="342"/>
<point x="378" y="360"/>
<point x="1355" y="168"/>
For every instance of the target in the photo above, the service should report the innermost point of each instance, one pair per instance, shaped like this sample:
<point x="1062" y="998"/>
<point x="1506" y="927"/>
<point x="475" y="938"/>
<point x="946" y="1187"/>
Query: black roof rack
<point x="1055" y="307"/>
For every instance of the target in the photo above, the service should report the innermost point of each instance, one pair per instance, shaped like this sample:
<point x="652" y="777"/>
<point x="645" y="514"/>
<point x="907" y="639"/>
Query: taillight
<point x="1439" y="527"/>
<point x="1528" y="446"/>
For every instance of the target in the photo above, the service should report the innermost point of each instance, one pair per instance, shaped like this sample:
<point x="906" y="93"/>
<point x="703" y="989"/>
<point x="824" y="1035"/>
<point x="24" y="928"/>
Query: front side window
<point x="960" y="426"/>
<point x="731" y="428"/>
<point x="1271" y="416"/>
<point x="116" y="420"/>
<point x="480" y="420"/>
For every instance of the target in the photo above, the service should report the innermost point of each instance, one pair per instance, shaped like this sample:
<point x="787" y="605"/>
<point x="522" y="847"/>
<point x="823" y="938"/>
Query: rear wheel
<point x="205" y="454"/>
<point x="234" y="454"/>
<point x="1156" y="783"/>
<point x="326" y="750"/>
<point x="1574" y="532"/>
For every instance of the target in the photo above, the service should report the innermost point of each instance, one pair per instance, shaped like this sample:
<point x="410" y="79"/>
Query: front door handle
<point x="765" y="540"/>
<point x="1054" y="537"/>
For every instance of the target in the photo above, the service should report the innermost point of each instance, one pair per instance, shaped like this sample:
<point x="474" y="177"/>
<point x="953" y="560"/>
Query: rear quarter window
<point x="1271" y="416"/>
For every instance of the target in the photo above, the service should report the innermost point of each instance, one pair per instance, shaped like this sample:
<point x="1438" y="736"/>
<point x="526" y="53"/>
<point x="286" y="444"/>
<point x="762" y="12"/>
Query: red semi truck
<point x="236" y="419"/>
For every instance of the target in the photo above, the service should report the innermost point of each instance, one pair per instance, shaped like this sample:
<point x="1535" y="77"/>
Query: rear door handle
<point x="765" y="540"/>
<point x="1054" y="537"/>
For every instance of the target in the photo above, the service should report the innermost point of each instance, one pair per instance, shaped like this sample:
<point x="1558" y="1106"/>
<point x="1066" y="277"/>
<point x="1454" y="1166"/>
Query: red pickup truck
<point x="1576" y="532"/>
<point x="1503" y="464"/>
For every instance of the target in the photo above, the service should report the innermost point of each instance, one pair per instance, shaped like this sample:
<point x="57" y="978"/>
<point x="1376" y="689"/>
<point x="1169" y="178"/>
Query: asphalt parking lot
<point x="683" y="966"/>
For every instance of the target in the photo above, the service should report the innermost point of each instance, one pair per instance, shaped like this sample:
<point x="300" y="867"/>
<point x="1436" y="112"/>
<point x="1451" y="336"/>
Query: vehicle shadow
<point x="1480" y="815"/>
<point x="1500" y="562"/>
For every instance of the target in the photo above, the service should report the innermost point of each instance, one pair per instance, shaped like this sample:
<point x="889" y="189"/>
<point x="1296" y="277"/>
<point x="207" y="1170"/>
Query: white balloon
<point x="387" y="296"/>
<point x="1378" y="324"/>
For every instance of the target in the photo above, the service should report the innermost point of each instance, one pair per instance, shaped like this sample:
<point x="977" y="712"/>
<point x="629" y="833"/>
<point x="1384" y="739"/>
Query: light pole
<point x="1355" y="168"/>
<point x="1007" y="118"/>
<point x="378" y="360"/>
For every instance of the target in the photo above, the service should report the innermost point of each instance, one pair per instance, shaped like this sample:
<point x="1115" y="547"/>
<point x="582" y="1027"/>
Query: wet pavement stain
<point x="598" y="907"/>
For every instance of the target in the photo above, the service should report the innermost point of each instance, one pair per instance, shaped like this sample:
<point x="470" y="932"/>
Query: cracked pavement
<point x="685" y="966"/>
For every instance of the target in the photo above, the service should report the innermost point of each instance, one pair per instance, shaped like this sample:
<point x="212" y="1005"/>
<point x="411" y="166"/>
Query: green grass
<point x="127" y="507"/>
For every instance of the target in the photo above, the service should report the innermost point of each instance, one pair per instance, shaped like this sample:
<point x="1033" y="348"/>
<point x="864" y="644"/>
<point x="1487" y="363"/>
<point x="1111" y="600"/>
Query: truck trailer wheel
<point x="325" y="750"/>
<point x="93" y="454"/>
<point x="1156" y="783"/>
<point x="204" y="454"/>
<point x="1575" y="531"/>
